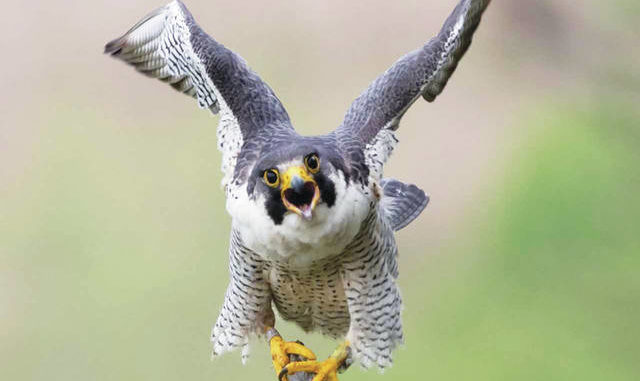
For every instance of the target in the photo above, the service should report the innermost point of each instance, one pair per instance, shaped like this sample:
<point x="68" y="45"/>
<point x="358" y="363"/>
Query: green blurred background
<point x="525" y="265"/>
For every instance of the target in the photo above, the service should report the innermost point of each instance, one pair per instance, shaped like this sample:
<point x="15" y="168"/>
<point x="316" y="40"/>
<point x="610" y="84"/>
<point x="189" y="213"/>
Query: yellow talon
<point x="326" y="370"/>
<point x="280" y="350"/>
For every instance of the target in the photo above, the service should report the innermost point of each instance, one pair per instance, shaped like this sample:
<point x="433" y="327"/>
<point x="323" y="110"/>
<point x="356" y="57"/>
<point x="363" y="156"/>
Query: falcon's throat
<point x="300" y="192"/>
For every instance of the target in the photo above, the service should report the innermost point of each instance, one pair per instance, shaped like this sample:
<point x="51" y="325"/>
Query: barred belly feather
<point x="350" y="295"/>
<point x="353" y="294"/>
<point x="313" y="297"/>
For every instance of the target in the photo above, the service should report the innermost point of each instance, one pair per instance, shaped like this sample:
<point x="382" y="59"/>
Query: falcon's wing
<point x="375" y="114"/>
<point x="168" y="44"/>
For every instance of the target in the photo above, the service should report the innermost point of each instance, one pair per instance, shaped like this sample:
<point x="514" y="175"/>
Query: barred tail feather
<point x="401" y="203"/>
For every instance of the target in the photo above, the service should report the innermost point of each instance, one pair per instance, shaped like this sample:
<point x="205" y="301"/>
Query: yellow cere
<point x="295" y="171"/>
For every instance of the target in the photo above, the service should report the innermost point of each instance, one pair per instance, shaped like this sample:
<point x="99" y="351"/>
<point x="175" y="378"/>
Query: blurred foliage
<point x="555" y="292"/>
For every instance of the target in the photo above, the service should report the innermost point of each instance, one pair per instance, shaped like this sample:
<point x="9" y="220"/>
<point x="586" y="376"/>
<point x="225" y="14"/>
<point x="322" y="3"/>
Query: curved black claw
<point x="347" y="361"/>
<point x="283" y="373"/>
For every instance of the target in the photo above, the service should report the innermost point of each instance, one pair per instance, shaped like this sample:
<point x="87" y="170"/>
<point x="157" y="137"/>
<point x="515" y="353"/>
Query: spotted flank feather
<point x="369" y="270"/>
<point x="247" y="304"/>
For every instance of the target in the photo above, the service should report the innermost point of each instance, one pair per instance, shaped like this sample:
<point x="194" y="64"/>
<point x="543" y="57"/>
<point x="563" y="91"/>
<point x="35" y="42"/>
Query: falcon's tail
<point x="401" y="203"/>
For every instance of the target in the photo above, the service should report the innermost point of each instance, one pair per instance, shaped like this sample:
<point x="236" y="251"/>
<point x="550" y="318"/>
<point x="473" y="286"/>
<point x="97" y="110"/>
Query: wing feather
<point x="159" y="46"/>
<point x="376" y="113"/>
<point x="169" y="45"/>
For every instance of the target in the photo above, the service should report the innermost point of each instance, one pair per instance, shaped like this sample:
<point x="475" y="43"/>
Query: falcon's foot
<point x="326" y="370"/>
<point x="283" y="351"/>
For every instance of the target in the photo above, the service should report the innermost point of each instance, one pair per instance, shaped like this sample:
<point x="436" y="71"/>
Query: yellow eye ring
<point x="271" y="177"/>
<point x="312" y="162"/>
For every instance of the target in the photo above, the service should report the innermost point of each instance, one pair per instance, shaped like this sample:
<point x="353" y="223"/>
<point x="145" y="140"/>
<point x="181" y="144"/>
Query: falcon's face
<point x="296" y="185"/>
<point x="299" y="202"/>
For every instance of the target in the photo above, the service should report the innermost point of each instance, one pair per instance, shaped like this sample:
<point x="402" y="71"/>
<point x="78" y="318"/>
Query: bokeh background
<point x="525" y="265"/>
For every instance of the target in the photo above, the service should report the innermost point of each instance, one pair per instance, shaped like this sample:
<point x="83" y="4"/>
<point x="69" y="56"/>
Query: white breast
<point x="296" y="240"/>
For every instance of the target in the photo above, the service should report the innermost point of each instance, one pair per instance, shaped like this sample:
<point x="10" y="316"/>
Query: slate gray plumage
<point x="334" y="273"/>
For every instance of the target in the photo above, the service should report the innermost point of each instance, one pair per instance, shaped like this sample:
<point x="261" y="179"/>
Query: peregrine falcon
<point x="313" y="218"/>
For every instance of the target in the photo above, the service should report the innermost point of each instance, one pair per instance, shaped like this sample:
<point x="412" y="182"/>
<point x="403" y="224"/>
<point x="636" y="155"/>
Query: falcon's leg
<point x="247" y="304"/>
<point x="368" y="277"/>
<point x="324" y="370"/>
<point x="282" y="351"/>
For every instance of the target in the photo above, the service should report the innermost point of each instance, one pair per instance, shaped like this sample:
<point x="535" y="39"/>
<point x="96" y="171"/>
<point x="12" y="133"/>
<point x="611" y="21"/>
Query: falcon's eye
<point x="312" y="162"/>
<point x="271" y="177"/>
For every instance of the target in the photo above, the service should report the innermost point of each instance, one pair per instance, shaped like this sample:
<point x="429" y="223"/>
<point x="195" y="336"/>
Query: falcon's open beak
<point x="300" y="193"/>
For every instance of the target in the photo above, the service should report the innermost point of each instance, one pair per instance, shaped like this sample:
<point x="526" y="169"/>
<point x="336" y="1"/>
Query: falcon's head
<point x="296" y="181"/>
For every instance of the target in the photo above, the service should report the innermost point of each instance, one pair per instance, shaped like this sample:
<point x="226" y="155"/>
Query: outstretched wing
<point x="376" y="113"/>
<point x="168" y="45"/>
